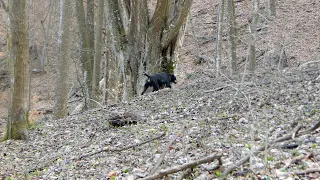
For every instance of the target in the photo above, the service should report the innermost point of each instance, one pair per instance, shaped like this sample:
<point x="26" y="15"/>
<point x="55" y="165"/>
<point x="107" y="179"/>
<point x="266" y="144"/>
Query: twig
<point x="261" y="148"/>
<point x="294" y="160"/>
<point x="107" y="149"/>
<point x="167" y="148"/>
<point x="185" y="174"/>
<point x="217" y="89"/>
<point x="185" y="166"/>
<point x="296" y="130"/>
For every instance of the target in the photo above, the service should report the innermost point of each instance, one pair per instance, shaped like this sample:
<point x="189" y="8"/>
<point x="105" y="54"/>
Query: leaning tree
<point x="140" y="38"/>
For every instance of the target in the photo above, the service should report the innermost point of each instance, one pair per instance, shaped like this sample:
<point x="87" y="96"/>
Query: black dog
<point x="159" y="81"/>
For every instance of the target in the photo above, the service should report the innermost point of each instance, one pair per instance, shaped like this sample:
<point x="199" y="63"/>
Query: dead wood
<point x="294" y="160"/>
<point x="296" y="130"/>
<point x="303" y="172"/>
<point x="192" y="164"/>
<point x="166" y="150"/>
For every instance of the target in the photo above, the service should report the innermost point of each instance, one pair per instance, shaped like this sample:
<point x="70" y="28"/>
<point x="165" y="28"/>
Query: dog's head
<point x="173" y="78"/>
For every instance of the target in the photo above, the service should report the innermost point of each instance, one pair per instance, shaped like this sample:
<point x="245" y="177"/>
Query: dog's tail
<point x="146" y="75"/>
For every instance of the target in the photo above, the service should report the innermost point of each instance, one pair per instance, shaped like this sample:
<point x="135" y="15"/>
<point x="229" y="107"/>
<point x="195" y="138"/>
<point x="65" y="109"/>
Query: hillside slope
<point x="206" y="116"/>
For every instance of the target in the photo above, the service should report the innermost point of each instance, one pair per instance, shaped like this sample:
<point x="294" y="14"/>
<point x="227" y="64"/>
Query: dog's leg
<point x="144" y="89"/>
<point x="155" y="87"/>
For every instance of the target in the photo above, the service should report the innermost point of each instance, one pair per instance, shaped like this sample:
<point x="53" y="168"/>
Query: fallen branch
<point x="303" y="172"/>
<point x="296" y="159"/>
<point x="107" y="149"/>
<point x="167" y="148"/>
<point x="261" y="148"/>
<point x="296" y="130"/>
<point x="192" y="164"/>
<point x="217" y="89"/>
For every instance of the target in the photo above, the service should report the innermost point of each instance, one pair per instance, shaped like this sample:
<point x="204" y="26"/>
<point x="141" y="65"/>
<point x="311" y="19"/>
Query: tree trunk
<point x="86" y="47"/>
<point x="116" y="39"/>
<point x="219" y="35"/>
<point x="65" y="36"/>
<point x="20" y="97"/>
<point x="136" y="40"/>
<point x="97" y="55"/>
<point x="272" y="9"/>
<point x="252" y="28"/>
<point x="232" y="34"/>
<point x="138" y="44"/>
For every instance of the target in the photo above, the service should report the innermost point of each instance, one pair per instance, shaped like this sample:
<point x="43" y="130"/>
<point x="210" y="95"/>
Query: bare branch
<point x="173" y="29"/>
<point x="159" y="17"/>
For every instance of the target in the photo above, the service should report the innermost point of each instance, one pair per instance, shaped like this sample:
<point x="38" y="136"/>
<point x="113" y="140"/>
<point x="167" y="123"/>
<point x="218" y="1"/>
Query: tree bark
<point x="232" y="34"/>
<point x="136" y="40"/>
<point x="86" y="48"/>
<point x="65" y="36"/>
<point x="272" y="9"/>
<point x="97" y="55"/>
<point x="219" y="35"/>
<point x="252" y="28"/>
<point x="20" y="97"/>
<point x="138" y="44"/>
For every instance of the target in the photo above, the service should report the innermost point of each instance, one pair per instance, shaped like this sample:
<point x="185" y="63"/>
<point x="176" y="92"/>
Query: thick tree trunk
<point x="20" y="97"/>
<point x="139" y="45"/>
<point x="137" y="38"/>
<point x="65" y="36"/>
<point x="97" y="55"/>
<point x="117" y="40"/>
<point x="86" y="48"/>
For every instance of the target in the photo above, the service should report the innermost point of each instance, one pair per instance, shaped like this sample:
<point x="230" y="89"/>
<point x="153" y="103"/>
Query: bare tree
<point x="97" y="55"/>
<point x="252" y="28"/>
<point x="232" y="34"/>
<point x="65" y="36"/>
<point x="20" y="97"/>
<point x="219" y="35"/>
<point x="138" y="44"/>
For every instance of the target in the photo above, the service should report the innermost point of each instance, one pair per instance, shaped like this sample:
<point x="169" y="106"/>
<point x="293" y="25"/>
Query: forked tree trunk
<point x="20" y="97"/>
<point x="65" y="36"/>
<point x="138" y="45"/>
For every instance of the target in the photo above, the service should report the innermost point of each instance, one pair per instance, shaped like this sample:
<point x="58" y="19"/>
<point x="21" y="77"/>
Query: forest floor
<point x="227" y="116"/>
<point x="201" y="116"/>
